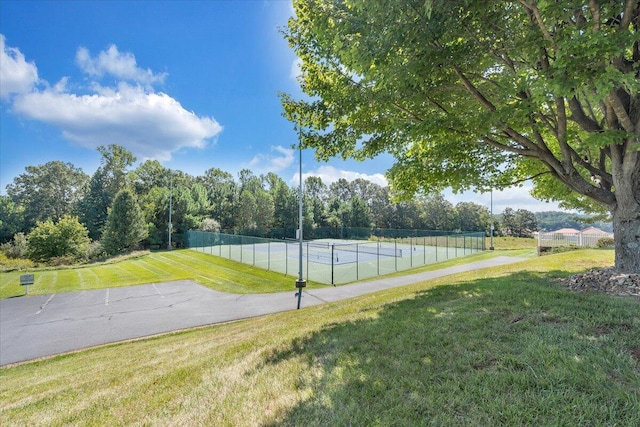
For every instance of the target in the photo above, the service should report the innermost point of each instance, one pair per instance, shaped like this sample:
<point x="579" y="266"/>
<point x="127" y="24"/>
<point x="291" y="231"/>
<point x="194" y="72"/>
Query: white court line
<point x="157" y="291"/>
<point x="45" y="304"/>
<point x="106" y="298"/>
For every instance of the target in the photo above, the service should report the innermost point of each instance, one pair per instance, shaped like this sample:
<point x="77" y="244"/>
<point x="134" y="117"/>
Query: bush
<point x="605" y="242"/>
<point x="210" y="224"/>
<point x="11" y="264"/>
<point x="94" y="251"/>
<point x="67" y="239"/>
<point x="16" y="248"/>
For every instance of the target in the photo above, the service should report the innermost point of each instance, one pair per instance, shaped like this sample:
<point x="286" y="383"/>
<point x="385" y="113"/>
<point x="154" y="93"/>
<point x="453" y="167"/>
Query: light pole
<point x="491" y="238"/>
<point x="300" y="283"/>
<point x="170" y="208"/>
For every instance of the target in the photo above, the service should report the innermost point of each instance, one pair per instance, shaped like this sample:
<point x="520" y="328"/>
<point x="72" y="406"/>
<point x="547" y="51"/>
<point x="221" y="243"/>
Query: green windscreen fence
<point x="336" y="261"/>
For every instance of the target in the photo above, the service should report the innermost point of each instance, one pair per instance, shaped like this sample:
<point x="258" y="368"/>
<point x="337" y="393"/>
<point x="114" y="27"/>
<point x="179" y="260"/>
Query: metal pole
<point x="300" y="283"/>
<point x="170" y="208"/>
<point x="491" y="239"/>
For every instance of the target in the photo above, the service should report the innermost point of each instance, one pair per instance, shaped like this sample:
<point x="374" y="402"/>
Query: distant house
<point x="596" y="231"/>
<point x="566" y="231"/>
<point x="570" y="236"/>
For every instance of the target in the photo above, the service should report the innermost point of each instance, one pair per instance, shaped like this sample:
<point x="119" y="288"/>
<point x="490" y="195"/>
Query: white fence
<point x="553" y="239"/>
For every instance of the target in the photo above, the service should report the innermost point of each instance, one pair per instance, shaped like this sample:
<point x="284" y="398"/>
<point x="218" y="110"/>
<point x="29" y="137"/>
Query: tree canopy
<point x="125" y="227"/>
<point x="52" y="190"/>
<point x="480" y="94"/>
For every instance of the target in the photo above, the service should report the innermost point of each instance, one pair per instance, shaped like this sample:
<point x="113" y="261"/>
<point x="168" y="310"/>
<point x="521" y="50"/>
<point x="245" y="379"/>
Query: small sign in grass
<point x="26" y="280"/>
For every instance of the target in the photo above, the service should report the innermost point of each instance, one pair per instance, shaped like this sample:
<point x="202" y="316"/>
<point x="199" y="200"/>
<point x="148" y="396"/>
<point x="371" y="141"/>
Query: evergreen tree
<point x="125" y="226"/>
<point x="105" y="183"/>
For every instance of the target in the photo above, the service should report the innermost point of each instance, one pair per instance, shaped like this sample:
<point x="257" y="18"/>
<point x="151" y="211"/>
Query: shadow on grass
<point x="515" y="350"/>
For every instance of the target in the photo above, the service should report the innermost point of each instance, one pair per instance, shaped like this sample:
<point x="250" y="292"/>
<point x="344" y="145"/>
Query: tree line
<point x="55" y="210"/>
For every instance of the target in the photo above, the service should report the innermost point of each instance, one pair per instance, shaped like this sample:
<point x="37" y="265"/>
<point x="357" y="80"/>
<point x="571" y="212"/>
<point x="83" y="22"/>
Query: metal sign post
<point x="300" y="283"/>
<point x="26" y="280"/>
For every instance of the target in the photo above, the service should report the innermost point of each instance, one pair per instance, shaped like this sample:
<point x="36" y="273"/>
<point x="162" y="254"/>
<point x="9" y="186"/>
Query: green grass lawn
<point x="511" y="243"/>
<point x="502" y="346"/>
<point x="214" y="272"/>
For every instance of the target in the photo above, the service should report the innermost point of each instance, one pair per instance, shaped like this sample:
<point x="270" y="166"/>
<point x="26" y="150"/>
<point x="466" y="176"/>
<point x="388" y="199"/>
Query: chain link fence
<point x="334" y="261"/>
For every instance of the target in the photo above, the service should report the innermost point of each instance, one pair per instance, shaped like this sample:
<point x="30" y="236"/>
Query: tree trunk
<point x="626" y="228"/>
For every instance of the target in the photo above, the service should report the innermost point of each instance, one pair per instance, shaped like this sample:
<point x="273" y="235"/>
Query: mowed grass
<point x="501" y="346"/>
<point x="208" y="270"/>
<point x="214" y="272"/>
<point x="511" y="243"/>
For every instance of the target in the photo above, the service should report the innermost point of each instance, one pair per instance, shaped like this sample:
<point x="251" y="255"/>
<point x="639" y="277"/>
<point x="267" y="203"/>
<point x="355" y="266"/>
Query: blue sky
<point x="192" y="84"/>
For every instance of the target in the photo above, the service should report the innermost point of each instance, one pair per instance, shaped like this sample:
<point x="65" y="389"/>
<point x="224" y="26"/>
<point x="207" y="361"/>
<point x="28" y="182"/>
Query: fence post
<point x="378" y="257"/>
<point x="411" y="250"/>
<point x="332" y="246"/>
<point x="357" y="262"/>
<point x="424" y="251"/>
<point x="447" y="243"/>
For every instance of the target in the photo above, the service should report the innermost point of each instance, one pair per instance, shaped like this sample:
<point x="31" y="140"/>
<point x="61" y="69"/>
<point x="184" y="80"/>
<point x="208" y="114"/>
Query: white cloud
<point x="16" y="74"/>
<point x="330" y="174"/>
<point x="121" y="65"/>
<point x="150" y="125"/>
<point x="272" y="163"/>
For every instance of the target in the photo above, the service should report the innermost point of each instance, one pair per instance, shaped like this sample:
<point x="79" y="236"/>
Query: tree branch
<point x="578" y="115"/>
<point x="562" y="134"/>
<point x="519" y="181"/>
<point x="533" y="7"/>
<point x="519" y="151"/>
<point x="627" y="15"/>
<point x="473" y="90"/>
<point x="620" y="112"/>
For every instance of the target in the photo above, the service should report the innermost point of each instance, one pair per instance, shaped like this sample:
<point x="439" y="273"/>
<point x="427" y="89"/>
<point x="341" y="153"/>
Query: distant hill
<point x="554" y="220"/>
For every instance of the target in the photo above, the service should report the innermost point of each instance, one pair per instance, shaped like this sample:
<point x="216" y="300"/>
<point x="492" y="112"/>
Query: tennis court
<point x="336" y="261"/>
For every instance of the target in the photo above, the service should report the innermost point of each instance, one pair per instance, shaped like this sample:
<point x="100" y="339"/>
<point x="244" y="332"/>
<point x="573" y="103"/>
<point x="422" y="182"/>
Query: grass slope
<point x="214" y="272"/>
<point x="503" y="346"/>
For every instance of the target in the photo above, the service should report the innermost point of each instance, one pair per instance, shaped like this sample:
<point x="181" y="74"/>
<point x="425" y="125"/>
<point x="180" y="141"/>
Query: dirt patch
<point x="605" y="280"/>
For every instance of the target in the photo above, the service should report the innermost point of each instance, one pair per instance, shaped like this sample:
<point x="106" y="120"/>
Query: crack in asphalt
<point x="111" y="314"/>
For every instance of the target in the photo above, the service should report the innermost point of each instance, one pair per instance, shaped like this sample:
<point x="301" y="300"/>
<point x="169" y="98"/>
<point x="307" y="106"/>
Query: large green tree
<point x="11" y="219"/>
<point x="105" y="183"/>
<point x="438" y="213"/>
<point x="481" y="94"/>
<point x="223" y="193"/>
<point x="51" y="190"/>
<point x="125" y="227"/>
<point x="473" y="217"/>
<point x="520" y="223"/>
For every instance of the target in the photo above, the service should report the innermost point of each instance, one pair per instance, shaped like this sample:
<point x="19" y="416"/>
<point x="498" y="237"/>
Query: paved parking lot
<point x="44" y="325"/>
<point x="36" y="326"/>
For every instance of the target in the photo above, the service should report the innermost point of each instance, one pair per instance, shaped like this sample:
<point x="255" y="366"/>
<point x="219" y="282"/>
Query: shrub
<point x="605" y="242"/>
<point x="210" y="224"/>
<point x="65" y="239"/>
<point x="11" y="264"/>
<point x="94" y="251"/>
<point x="16" y="248"/>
